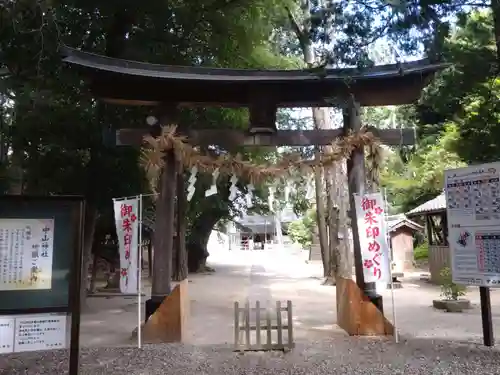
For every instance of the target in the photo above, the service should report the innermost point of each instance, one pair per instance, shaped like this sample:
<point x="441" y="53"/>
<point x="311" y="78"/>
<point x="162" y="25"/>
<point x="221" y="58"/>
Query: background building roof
<point x="435" y="205"/>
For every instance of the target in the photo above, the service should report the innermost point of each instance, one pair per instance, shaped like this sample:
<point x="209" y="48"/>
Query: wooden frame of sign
<point x="24" y="300"/>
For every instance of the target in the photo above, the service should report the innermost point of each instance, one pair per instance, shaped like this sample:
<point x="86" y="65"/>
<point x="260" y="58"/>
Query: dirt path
<point x="276" y="275"/>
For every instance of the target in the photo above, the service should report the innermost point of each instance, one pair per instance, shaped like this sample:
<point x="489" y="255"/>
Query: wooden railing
<point x="252" y="323"/>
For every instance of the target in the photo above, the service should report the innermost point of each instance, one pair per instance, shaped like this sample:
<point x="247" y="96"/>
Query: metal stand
<point x="74" y="346"/>
<point x="484" y="293"/>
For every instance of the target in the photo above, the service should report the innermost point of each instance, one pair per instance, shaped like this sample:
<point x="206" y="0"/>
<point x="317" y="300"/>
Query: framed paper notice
<point x="40" y="332"/>
<point x="7" y="326"/>
<point x="26" y="253"/>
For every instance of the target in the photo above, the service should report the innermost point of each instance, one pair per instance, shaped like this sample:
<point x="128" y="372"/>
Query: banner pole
<point x="139" y="278"/>
<point x="389" y="247"/>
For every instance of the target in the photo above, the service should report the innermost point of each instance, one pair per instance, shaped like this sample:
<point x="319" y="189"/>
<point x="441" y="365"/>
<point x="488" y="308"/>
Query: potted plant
<point x="451" y="294"/>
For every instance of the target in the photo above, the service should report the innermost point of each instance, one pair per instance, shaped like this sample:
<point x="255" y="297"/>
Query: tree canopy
<point x="458" y="117"/>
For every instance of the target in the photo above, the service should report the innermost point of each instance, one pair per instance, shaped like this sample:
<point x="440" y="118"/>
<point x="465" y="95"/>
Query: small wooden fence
<point x="251" y="323"/>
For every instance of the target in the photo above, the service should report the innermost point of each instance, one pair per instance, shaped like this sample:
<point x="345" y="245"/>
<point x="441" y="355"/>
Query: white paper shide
<point x="372" y="229"/>
<point x="127" y="229"/>
<point x="473" y="212"/>
<point x="26" y="253"/>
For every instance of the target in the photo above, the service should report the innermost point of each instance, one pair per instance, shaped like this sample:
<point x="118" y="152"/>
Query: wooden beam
<point x="149" y="91"/>
<point x="228" y="138"/>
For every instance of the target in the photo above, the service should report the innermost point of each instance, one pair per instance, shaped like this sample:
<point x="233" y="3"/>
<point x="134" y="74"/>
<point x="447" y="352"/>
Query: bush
<point x="449" y="290"/>
<point x="421" y="252"/>
<point x="301" y="231"/>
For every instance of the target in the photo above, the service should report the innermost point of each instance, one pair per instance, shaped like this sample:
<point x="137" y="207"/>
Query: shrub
<point x="450" y="290"/>
<point x="421" y="252"/>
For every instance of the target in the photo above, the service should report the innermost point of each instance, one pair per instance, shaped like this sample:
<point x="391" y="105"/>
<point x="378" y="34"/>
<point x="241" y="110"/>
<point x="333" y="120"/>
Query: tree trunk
<point x="495" y="8"/>
<point x="320" y="123"/>
<point x="321" y="217"/>
<point x="346" y="258"/>
<point x="113" y="281"/>
<point x="179" y="263"/>
<point x="318" y="115"/>
<point x="333" y="228"/>
<point x="16" y="173"/>
<point x="150" y="257"/>
<point x="90" y="221"/>
<point x="93" y="275"/>
<point x="198" y="240"/>
<point x="329" y="248"/>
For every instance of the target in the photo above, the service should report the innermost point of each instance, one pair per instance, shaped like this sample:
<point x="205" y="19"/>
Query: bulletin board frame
<point x="62" y="207"/>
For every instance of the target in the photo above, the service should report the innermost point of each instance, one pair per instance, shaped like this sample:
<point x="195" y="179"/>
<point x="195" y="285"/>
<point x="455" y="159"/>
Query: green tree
<point x="55" y="130"/>
<point x="471" y="50"/>
<point x="301" y="231"/>
<point x="457" y="118"/>
<point x="479" y="134"/>
<point x="412" y="183"/>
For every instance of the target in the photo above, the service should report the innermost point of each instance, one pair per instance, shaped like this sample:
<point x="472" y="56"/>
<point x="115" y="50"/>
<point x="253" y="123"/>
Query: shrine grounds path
<point x="433" y="342"/>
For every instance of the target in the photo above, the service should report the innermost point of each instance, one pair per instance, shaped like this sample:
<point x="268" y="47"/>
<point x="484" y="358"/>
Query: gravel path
<point x="259" y="289"/>
<point x="339" y="356"/>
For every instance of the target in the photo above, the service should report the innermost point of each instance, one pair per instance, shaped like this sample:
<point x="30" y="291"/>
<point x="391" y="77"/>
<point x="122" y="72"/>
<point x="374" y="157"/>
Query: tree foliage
<point x="57" y="132"/>
<point x="301" y="231"/>
<point x="421" y="178"/>
<point x="457" y="118"/>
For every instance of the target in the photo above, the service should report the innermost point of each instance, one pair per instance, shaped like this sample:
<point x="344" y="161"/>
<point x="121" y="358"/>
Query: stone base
<point x="356" y="314"/>
<point x="169" y="322"/>
<point x="451" y="305"/>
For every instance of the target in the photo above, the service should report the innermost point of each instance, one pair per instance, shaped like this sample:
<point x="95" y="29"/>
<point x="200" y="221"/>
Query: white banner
<point x="372" y="229"/>
<point x="127" y="229"/>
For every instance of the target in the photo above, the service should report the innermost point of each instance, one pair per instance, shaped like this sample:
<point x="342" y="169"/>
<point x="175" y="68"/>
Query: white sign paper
<point x="7" y="335"/>
<point x="473" y="213"/>
<point x="26" y="253"/>
<point x="40" y="332"/>
<point x="372" y="229"/>
<point x="127" y="229"/>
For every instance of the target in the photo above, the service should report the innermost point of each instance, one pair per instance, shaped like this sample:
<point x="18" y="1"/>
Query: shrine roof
<point x="125" y="80"/>
<point x="433" y="206"/>
<point x="404" y="222"/>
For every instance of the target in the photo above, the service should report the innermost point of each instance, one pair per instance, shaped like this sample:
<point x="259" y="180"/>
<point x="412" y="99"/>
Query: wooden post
<point x="236" y="324"/>
<point x="247" y="324"/>
<point x="356" y="183"/>
<point x="181" y="266"/>
<point x="279" y="323"/>
<point x="428" y="227"/>
<point x="257" y="324"/>
<point x="243" y="332"/>
<point x="164" y="231"/>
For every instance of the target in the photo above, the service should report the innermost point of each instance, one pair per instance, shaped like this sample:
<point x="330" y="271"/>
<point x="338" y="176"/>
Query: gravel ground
<point x="342" y="355"/>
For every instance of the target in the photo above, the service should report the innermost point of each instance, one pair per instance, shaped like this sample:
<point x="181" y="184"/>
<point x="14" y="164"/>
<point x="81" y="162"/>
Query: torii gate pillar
<point x="356" y="183"/>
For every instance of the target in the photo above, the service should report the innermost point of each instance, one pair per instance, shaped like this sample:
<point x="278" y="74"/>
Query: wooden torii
<point x="167" y="88"/>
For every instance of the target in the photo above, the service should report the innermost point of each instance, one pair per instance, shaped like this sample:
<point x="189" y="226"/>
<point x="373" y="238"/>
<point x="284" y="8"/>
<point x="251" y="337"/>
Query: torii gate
<point x="165" y="88"/>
